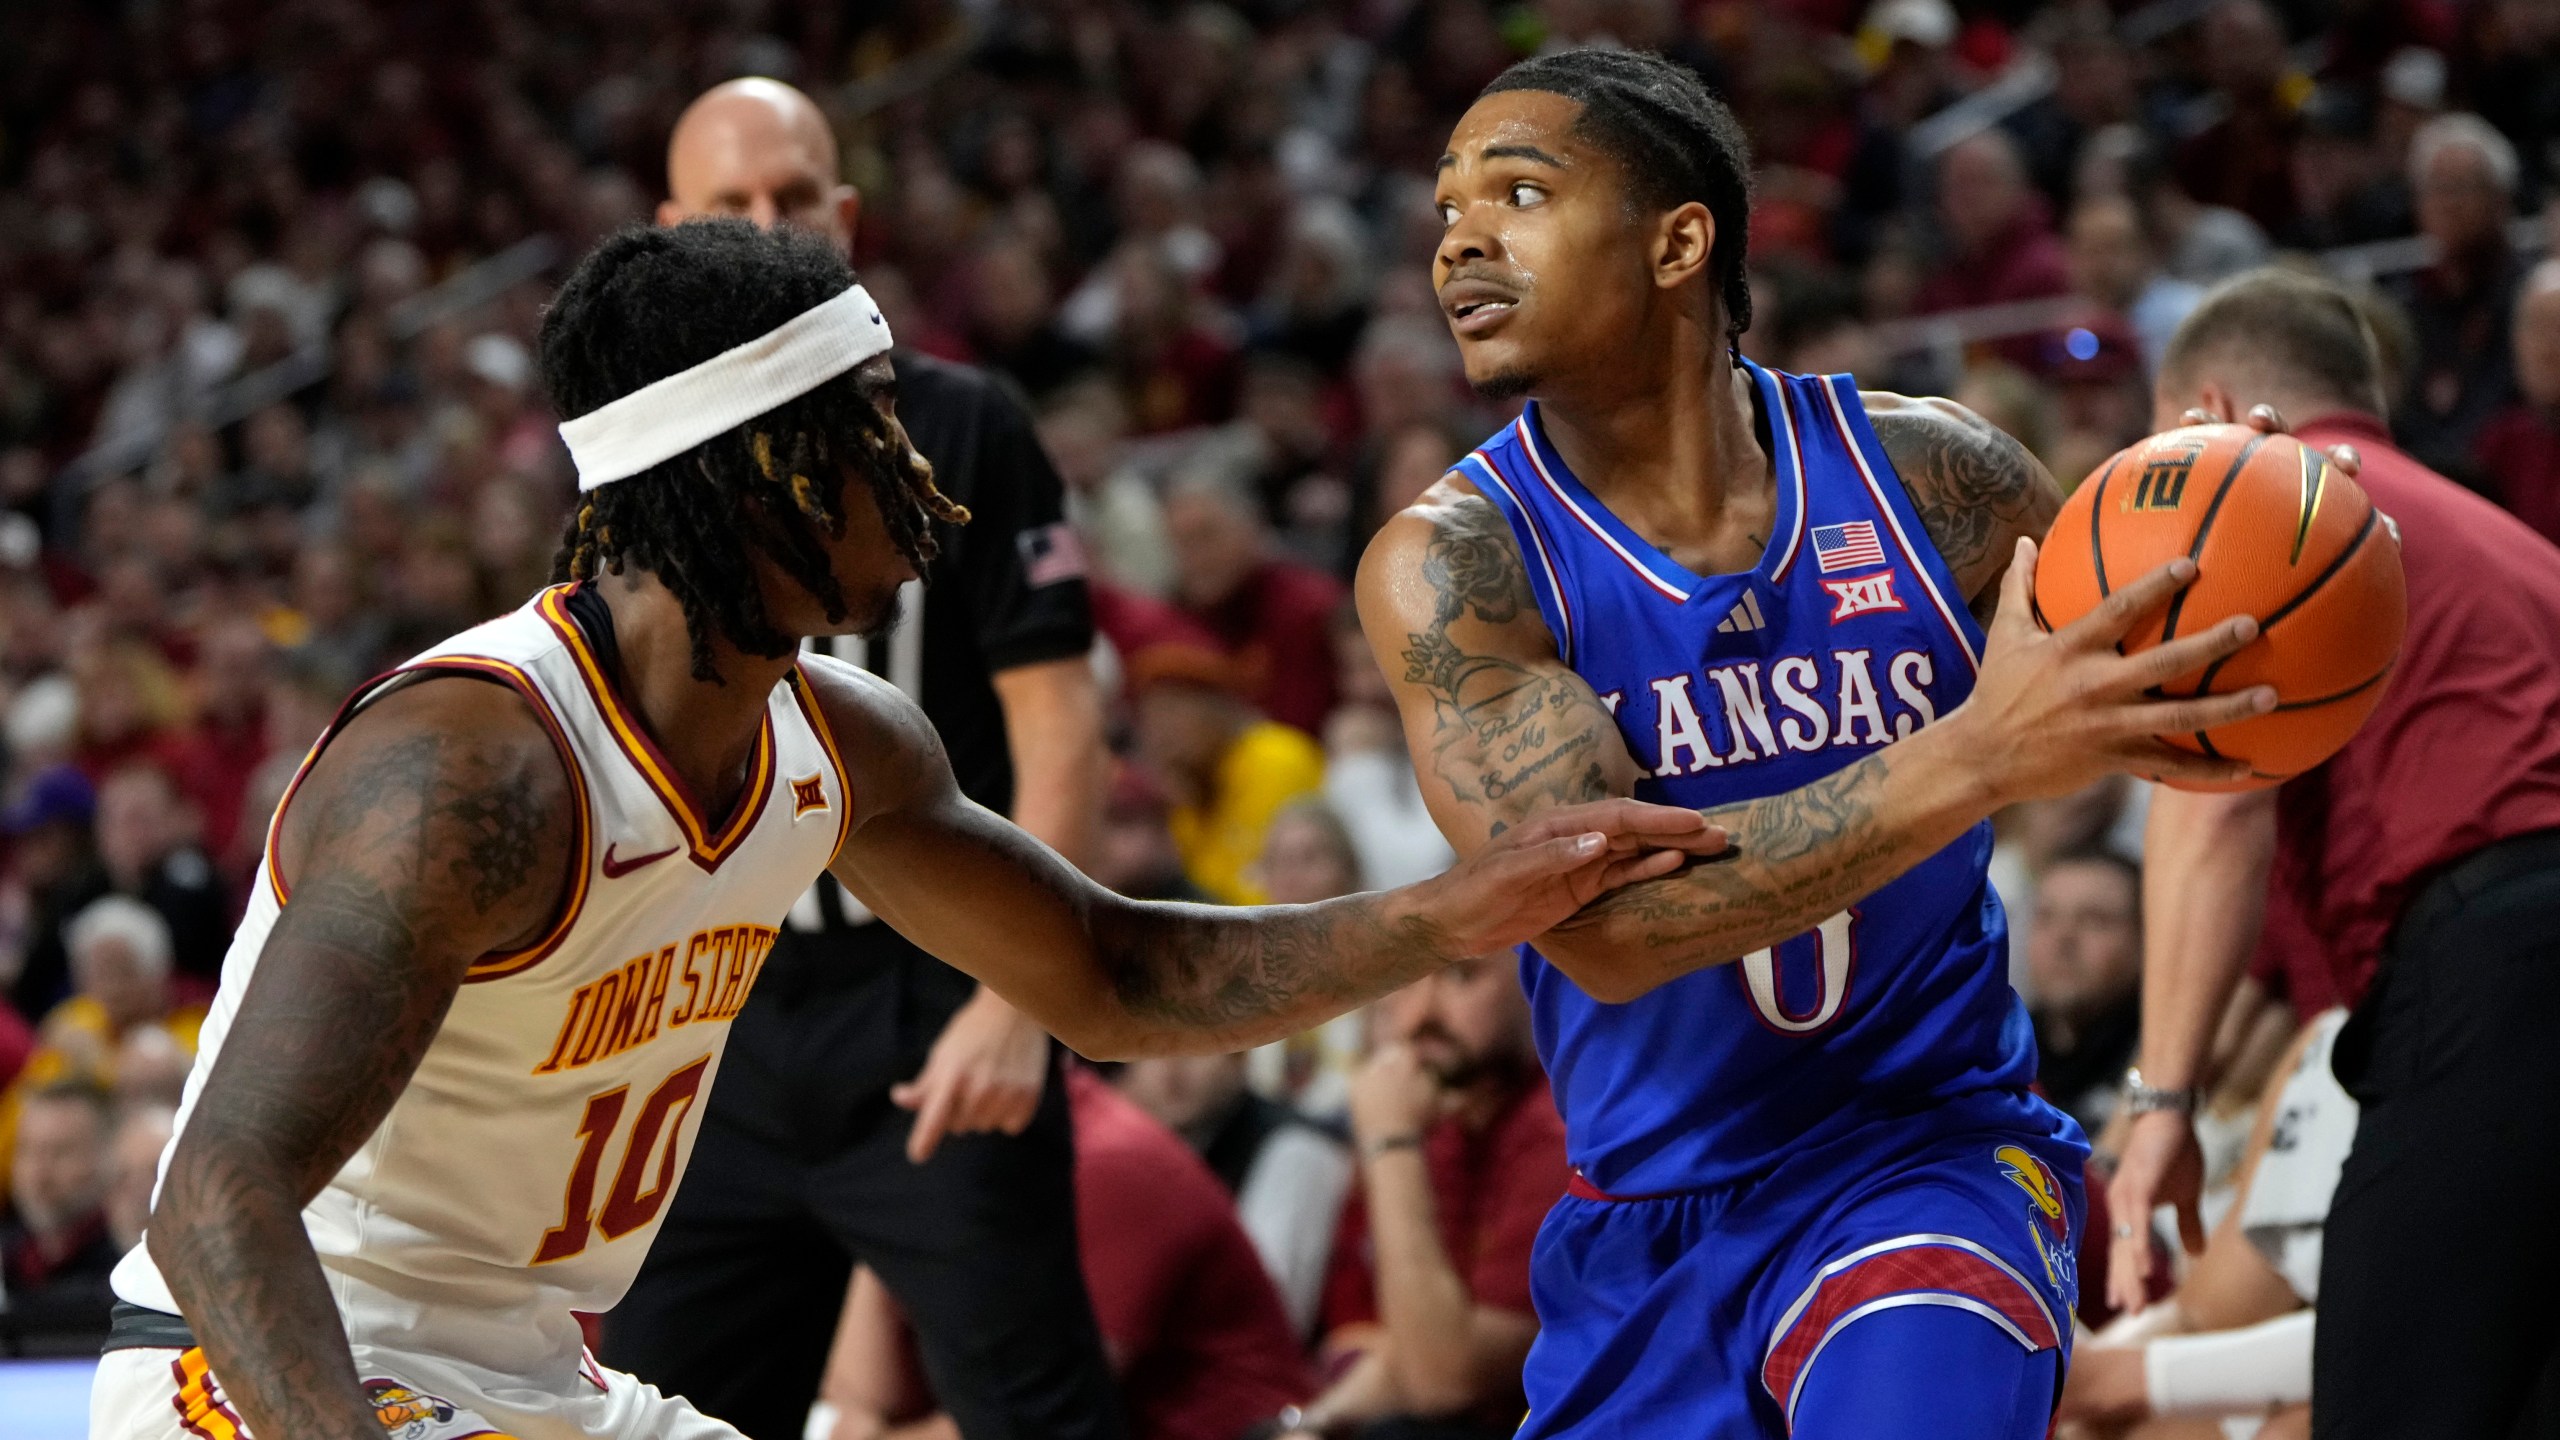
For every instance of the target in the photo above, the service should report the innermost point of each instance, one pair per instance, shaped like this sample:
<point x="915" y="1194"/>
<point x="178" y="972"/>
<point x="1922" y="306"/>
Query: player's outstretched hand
<point x="2053" y="712"/>
<point x="1528" y="879"/>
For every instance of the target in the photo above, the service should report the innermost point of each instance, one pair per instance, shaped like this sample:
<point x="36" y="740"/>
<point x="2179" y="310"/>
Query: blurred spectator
<point x="55" y="1249"/>
<point x="229" y="740"/>
<point x="2084" y="971"/>
<point x="2116" y="263"/>
<point x="1198" y="1339"/>
<point x="1287" y="1176"/>
<point x="1114" y="508"/>
<point x="1368" y="772"/>
<point x="2464" y="175"/>
<point x="2348" y="189"/>
<point x="2199" y="243"/>
<point x="1135" y="854"/>
<point x="133" y="1168"/>
<point x="2243" y="158"/>
<point x="1267" y="612"/>
<point x="147" y="844"/>
<point x="1012" y="323"/>
<point x="1227" y="770"/>
<point x="120" y="962"/>
<point x="2001" y="245"/>
<point x="2517" y="459"/>
<point x="1427" y="1312"/>
<point x="1307" y="856"/>
<point x="52" y="871"/>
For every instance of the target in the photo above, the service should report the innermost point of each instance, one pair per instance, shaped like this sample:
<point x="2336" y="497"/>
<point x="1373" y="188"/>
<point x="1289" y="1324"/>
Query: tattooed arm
<point x="435" y="828"/>
<point x="1977" y="490"/>
<point x="1501" y="729"/>
<point x="1114" y="977"/>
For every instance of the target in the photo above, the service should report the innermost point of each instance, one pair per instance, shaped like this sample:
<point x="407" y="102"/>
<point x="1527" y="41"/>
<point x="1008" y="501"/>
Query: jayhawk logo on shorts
<point x="406" y="1414"/>
<point x="2051" y="1229"/>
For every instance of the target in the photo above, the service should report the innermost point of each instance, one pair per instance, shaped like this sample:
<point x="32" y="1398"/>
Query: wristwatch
<point x="2141" y="1099"/>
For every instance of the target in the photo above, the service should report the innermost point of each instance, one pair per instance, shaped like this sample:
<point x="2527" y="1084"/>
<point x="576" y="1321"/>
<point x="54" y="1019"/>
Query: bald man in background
<point x="878" y="1106"/>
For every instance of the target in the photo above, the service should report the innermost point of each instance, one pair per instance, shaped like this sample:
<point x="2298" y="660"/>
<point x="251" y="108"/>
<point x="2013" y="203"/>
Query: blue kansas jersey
<point x="1848" y="635"/>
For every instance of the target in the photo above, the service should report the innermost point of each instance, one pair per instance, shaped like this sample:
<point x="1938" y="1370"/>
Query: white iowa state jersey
<point x="524" y="1171"/>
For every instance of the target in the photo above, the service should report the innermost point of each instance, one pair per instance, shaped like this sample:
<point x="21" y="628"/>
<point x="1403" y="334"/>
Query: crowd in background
<point x="1197" y="237"/>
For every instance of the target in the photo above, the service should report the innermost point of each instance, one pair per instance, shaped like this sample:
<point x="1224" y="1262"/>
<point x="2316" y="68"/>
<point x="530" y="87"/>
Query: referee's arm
<point x="2204" y="896"/>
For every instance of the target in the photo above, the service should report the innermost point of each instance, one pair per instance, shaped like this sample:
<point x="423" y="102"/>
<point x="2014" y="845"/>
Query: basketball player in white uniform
<point x="522" y="884"/>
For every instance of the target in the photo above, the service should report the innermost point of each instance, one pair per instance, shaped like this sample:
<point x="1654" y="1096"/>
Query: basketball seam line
<point x="2214" y="670"/>
<point x="2097" y="546"/>
<point x="2358" y="688"/>
<point x="2204" y="528"/>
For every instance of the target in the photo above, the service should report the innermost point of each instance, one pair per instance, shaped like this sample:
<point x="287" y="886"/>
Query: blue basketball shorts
<point x="1913" y="1280"/>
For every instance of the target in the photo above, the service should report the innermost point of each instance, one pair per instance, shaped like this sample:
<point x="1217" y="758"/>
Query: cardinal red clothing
<point x="2517" y="459"/>
<point x="1279" y="624"/>
<point x="1199" y="1338"/>
<point x="2464" y="749"/>
<point x="1490" y="1190"/>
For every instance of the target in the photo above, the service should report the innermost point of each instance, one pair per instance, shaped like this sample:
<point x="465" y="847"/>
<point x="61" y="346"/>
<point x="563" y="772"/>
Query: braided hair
<point x="651" y="302"/>
<point x="1674" y="139"/>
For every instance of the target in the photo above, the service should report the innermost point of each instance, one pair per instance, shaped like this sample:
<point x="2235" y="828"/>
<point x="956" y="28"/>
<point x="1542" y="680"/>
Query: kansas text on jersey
<point x="1848" y="635"/>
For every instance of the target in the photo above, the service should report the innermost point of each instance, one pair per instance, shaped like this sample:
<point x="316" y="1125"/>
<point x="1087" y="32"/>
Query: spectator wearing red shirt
<point x="1198" y="1339"/>
<point x="2244" y="159"/>
<point x="2517" y="459"/>
<point x="2416" y="875"/>
<point x="1270" y="614"/>
<point x="1427" y="1312"/>
<point x="2001" y="241"/>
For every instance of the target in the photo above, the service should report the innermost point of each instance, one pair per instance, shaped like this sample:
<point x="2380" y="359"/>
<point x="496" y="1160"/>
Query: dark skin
<point x="437" y="827"/>
<point x="1558" y="283"/>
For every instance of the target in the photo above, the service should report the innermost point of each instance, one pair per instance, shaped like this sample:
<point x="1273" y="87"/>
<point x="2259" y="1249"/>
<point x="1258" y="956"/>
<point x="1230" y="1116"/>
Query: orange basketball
<point x="2276" y="532"/>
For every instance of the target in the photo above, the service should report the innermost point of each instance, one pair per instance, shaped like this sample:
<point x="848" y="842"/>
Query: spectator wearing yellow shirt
<point x="1229" y="770"/>
<point x="120" y="1029"/>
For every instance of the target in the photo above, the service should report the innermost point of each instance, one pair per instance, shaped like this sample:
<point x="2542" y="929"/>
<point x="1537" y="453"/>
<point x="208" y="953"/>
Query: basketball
<point x="2277" y="532"/>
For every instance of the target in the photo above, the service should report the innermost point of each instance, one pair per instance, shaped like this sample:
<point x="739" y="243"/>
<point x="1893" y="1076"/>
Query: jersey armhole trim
<point x="816" y="715"/>
<point x="1545" y="584"/>
<point x="499" y="964"/>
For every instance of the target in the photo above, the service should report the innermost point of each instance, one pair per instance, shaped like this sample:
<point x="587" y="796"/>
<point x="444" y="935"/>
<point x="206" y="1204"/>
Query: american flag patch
<point x="1845" y="547"/>
<point x="1050" y="554"/>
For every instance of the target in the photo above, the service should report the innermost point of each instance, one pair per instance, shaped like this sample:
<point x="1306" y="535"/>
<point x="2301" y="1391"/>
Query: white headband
<point x="665" y="418"/>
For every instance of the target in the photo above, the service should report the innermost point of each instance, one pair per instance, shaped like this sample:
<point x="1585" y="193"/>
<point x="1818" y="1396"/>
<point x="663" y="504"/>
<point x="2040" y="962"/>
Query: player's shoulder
<point x="1923" y="420"/>
<point x="1452" y="511"/>
<point x="1976" y="488"/>
<point x="884" y="737"/>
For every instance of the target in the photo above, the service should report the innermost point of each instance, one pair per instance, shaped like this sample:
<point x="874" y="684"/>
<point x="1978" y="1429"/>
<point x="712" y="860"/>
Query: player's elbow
<point x="1607" y="972"/>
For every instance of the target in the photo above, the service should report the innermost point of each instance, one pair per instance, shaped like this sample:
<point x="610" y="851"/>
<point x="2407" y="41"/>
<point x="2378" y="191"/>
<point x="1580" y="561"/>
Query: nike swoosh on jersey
<point x="616" y="869"/>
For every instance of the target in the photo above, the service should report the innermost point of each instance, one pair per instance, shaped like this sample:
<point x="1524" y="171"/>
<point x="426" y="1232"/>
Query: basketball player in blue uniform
<point x="1813" y="1194"/>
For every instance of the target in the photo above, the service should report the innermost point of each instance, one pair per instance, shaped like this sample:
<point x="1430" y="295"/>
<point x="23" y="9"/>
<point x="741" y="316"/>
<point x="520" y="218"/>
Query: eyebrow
<point x="1510" y="152"/>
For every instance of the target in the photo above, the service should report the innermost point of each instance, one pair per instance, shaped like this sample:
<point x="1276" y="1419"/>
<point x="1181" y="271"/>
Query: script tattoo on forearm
<point x="1976" y="489"/>
<point x="1204" y="967"/>
<point x="413" y="836"/>
<point x="1504" y="736"/>
<point x="1793" y="859"/>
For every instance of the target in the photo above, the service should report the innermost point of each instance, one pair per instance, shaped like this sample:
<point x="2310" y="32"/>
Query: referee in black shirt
<point x="840" y="1130"/>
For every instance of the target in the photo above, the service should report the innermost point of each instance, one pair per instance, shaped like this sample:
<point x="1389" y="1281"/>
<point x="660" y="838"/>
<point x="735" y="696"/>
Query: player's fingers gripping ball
<point x="2277" y="532"/>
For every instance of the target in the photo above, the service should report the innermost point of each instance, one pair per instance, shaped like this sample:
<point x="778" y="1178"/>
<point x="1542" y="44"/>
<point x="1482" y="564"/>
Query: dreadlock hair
<point x="648" y="303"/>
<point x="1672" y="137"/>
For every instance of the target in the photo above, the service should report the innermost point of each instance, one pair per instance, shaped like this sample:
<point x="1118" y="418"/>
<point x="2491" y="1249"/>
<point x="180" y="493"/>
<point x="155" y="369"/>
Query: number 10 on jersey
<point x="626" y="1207"/>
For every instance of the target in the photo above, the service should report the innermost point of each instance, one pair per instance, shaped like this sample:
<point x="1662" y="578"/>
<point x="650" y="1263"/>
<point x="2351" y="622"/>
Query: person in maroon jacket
<point x="2416" y="876"/>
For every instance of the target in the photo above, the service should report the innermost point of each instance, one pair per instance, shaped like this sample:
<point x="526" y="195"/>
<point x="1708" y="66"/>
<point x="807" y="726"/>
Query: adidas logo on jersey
<point x="1745" y="615"/>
